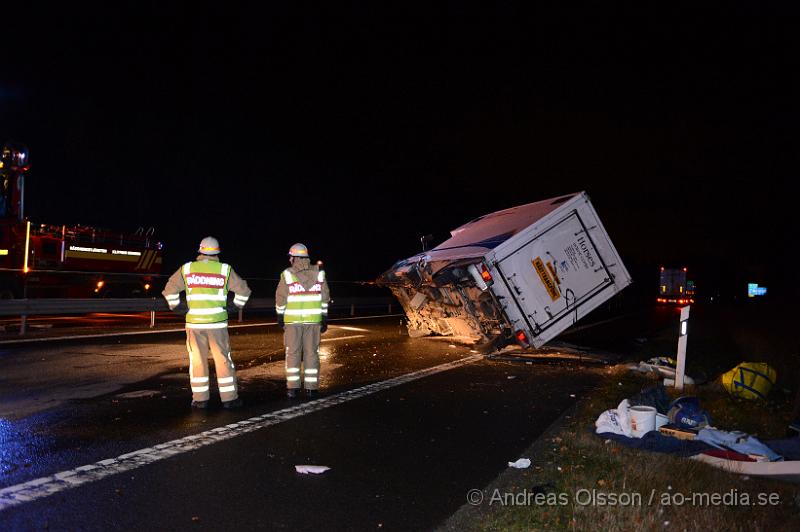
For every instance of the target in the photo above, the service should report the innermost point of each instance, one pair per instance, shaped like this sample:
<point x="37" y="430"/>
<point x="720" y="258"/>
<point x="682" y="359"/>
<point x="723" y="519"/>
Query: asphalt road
<point x="407" y="427"/>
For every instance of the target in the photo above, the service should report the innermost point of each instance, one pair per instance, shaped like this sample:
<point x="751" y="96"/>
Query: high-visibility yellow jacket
<point x="302" y="295"/>
<point x="207" y="282"/>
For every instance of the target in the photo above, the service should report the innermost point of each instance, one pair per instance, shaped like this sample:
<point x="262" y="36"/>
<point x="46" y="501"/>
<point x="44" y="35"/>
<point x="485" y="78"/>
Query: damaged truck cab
<point x="522" y="275"/>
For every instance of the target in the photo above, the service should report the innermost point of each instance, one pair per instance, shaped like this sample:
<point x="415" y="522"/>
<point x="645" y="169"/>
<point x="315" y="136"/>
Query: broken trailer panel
<point x="523" y="275"/>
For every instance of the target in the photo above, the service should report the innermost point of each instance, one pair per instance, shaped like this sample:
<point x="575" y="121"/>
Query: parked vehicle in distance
<point x="674" y="288"/>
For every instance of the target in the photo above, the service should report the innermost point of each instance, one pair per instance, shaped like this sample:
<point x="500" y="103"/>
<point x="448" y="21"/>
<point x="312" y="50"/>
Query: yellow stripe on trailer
<point x="547" y="281"/>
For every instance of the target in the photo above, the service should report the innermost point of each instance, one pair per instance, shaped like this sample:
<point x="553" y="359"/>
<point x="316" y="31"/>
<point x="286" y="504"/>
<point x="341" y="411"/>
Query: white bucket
<point x="643" y="420"/>
<point x="661" y="420"/>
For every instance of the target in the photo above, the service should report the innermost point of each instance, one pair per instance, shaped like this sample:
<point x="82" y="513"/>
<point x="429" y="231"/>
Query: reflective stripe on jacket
<point x="206" y="292"/>
<point x="303" y="305"/>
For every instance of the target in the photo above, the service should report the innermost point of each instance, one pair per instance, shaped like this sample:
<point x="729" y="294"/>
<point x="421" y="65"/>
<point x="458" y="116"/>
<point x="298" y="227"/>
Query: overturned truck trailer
<point x="522" y="275"/>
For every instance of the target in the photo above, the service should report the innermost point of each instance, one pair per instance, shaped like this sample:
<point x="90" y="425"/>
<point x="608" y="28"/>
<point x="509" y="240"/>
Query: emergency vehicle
<point x="46" y="260"/>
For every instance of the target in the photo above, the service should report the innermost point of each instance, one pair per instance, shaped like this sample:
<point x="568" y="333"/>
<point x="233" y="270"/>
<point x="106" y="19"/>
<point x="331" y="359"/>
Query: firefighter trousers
<point x="302" y="355"/>
<point x="199" y="342"/>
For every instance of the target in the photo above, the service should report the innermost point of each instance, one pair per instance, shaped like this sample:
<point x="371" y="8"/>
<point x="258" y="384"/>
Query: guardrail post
<point x="352" y="309"/>
<point x="152" y="318"/>
<point x="23" y="324"/>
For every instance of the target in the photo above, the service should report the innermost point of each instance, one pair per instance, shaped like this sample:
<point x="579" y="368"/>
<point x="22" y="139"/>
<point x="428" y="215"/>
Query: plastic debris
<point x="522" y="463"/>
<point x="314" y="469"/>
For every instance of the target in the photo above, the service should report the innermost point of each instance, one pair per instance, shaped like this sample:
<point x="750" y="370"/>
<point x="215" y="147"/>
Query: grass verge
<point x="578" y="481"/>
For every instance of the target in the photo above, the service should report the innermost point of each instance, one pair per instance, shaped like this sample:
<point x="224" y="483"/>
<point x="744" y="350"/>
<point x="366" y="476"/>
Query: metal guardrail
<point x="37" y="307"/>
<point x="34" y="307"/>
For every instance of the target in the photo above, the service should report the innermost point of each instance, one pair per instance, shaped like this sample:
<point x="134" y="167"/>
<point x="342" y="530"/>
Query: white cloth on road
<point x="315" y="469"/>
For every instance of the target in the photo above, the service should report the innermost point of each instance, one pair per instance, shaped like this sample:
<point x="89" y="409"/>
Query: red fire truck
<point x="45" y="260"/>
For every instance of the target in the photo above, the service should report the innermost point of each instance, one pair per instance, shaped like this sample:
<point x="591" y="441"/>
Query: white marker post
<point x="684" y="331"/>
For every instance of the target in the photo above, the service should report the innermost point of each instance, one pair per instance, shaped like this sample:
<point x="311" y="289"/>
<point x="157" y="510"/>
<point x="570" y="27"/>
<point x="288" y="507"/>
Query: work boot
<point x="236" y="403"/>
<point x="202" y="405"/>
<point x="311" y="394"/>
<point x="291" y="393"/>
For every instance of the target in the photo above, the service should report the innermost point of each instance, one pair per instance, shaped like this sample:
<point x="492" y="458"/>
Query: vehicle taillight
<point x="485" y="275"/>
<point x="522" y="338"/>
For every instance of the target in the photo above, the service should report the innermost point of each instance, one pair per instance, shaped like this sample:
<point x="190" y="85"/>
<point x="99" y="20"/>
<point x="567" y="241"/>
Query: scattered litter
<point x="615" y="421"/>
<point x="572" y="395"/>
<point x="522" y="463"/>
<point x="452" y="345"/>
<point x="315" y="469"/>
<point x="512" y="377"/>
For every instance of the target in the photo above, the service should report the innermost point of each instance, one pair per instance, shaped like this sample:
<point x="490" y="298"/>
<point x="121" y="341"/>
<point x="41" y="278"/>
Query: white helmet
<point x="209" y="246"/>
<point x="298" y="250"/>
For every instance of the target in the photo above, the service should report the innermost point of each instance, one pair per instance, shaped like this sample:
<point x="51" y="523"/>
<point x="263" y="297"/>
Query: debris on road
<point x="522" y="463"/>
<point x="314" y="469"/>
<point x="661" y="367"/>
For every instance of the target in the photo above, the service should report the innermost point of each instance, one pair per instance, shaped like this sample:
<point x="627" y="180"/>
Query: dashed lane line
<point x="49" y="485"/>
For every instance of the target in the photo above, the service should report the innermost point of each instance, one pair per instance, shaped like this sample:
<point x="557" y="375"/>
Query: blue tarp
<point x="656" y="442"/>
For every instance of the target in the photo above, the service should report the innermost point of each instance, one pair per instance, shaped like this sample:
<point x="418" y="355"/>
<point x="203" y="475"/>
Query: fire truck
<point x="46" y="260"/>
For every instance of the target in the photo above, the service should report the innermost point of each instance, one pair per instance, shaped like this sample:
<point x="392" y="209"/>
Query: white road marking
<point x="342" y="338"/>
<point x="348" y="328"/>
<point x="49" y="485"/>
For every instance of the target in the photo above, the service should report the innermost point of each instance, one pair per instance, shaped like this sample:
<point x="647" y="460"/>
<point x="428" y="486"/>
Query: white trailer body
<point x="556" y="271"/>
<point x="523" y="274"/>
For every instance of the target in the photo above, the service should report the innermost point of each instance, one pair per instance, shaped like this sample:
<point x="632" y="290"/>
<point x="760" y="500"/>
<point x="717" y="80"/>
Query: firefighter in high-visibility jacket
<point x="207" y="282"/>
<point x="301" y="304"/>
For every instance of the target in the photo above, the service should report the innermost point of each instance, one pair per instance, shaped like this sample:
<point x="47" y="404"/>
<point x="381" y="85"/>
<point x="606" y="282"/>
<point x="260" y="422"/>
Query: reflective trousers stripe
<point x="310" y="379"/>
<point x="224" y="380"/>
<point x="199" y="379"/>
<point x="293" y="378"/>
<point x="200" y="388"/>
<point x="312" y="371"/>
<point x="227" y="388"/>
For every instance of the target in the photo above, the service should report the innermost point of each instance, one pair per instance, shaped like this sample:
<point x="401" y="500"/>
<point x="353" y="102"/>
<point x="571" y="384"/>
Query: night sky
<point x="356" y="130"/>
